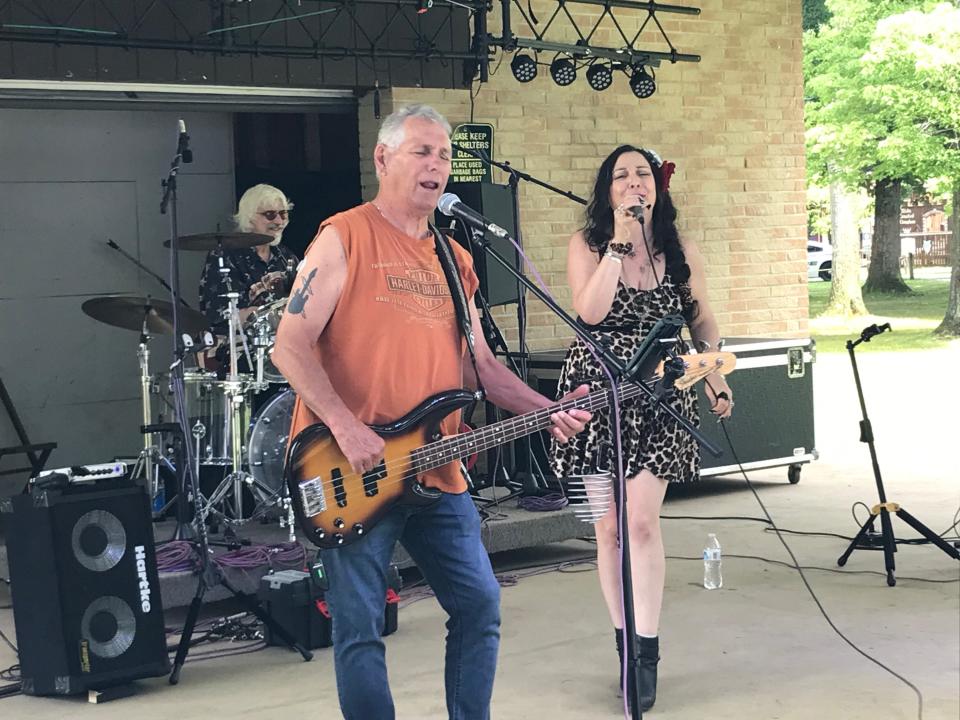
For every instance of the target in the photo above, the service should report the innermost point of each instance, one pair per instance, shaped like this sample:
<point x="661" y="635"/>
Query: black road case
<point x="772" y="424"/>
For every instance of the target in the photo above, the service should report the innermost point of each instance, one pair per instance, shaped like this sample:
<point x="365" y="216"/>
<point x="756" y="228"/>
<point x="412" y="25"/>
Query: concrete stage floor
<point x="757" y="648"/>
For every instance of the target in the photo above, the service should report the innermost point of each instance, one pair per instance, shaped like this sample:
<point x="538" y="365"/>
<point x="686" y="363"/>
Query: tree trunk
<point x="884" y="273"/>
<point x="951" y="321"/>
<point x="845" y="297"/>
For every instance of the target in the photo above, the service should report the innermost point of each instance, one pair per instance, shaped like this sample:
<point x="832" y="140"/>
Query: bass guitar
<point x="336" y="506"/>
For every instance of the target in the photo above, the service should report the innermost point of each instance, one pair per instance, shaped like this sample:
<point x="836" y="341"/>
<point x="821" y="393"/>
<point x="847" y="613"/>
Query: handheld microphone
<point x="183" y="143"/>
<point x="451" y="205"/>
<point x="637" y="211"/>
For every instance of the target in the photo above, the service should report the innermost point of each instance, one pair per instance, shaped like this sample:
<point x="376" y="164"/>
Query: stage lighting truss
<point x="613" y="16"/>
<point x="397" y="41"/>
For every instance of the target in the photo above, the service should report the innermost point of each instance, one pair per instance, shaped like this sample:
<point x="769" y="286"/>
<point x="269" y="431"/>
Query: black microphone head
<point x="446" y="203"/>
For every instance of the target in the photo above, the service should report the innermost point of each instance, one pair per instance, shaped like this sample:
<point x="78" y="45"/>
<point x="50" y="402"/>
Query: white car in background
<point x="819" y="260"/>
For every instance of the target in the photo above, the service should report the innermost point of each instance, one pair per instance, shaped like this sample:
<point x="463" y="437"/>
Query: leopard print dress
<point x="651" y="439"/>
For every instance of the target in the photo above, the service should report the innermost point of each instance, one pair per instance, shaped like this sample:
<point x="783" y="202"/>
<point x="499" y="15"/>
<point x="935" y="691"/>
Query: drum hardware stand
<point x="208" y="575"/>
<point x="234" y="389"/>
<point x="884" y="508"/>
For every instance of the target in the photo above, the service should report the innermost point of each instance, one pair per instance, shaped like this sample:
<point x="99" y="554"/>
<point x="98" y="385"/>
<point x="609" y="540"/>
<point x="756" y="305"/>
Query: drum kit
<point x="248" y="448"/>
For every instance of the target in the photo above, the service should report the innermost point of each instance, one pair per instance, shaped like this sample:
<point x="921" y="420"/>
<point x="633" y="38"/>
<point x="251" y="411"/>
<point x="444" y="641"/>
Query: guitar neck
<point x="453" y="448"/>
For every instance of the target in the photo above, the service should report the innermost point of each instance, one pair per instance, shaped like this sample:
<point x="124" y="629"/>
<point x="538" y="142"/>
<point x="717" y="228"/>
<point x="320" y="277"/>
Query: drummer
<point x="260" y="274"/>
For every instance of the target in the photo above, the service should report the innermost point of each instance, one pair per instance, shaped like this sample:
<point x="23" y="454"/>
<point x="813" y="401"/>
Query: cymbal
<point x="227" y="241"/>
<point x="129" y="311"/>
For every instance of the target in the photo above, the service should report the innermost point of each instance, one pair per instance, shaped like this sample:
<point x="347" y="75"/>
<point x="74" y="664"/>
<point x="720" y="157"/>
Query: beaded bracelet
<point x="620" y="248"/>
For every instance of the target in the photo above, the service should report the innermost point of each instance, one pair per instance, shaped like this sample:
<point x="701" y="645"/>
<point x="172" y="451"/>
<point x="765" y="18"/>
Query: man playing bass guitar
<point x="372" y="334"/>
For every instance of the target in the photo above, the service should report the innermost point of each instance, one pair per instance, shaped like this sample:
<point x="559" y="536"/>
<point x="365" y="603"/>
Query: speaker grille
<point x="102" y="530"/>
<point x="122" y="630"/>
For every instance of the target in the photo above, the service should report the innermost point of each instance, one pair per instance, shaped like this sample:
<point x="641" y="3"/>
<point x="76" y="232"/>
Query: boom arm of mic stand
<point x="508" y="168"/>
<point x="147" y="270"/>
<point x="610" y="360"/>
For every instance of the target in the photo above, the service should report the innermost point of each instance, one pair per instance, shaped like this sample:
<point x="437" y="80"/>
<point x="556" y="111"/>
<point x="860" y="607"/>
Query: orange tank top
<point x="393" y="339"/>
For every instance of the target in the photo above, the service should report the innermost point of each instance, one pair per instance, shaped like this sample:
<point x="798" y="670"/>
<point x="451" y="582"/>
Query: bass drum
<point x="267" y="446"/>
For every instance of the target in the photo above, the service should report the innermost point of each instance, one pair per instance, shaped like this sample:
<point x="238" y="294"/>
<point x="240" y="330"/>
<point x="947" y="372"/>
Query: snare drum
<point x="267" y="444"/>
<point x="261" y="329"/>
<point x="208" y="412"/>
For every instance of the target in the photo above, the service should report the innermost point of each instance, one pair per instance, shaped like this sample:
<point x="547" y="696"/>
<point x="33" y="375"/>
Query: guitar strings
<point x="593" y="401"/>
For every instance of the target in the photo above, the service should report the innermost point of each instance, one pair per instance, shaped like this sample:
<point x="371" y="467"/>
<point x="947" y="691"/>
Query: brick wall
<point x="733" y="124"/>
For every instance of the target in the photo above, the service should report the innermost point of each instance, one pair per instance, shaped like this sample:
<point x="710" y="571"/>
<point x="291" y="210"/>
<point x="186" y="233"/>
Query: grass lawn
<point x="912" y="318"/>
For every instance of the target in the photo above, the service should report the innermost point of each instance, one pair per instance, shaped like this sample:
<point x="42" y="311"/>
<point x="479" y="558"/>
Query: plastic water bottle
<point x="712" y="577"/>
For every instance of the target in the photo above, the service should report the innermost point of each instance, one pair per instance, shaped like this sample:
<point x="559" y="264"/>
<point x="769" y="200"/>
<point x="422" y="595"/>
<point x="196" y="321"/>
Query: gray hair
<point x="391" y="130"/>
<point x="255" y="198"/>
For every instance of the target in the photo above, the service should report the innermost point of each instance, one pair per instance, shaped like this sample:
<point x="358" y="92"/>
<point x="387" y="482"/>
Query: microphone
<point x="451" y="205"/>
<point x="637" y="211"/>
<point x="183" y="143"/>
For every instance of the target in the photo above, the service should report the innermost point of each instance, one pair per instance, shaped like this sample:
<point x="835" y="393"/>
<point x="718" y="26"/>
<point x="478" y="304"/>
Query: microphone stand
<point x="208" y="575"/>
<point x="642" y="362"/>
<point x="523" y="476"/>
<point x="883" y="509"/>
<point x="496" y="340"/>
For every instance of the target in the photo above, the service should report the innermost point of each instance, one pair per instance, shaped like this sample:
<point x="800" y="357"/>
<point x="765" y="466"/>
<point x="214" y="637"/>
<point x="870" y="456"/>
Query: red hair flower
<point x="667" y="169"/>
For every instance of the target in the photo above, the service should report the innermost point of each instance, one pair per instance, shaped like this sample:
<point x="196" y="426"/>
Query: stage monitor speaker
<point x="86" y="595"/>
<point x="494" y="202"/>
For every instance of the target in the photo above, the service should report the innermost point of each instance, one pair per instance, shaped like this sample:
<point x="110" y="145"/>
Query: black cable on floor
<point x="796" y="566"/>
<point x="7" y="641"/>
<point x="718" y="517"/>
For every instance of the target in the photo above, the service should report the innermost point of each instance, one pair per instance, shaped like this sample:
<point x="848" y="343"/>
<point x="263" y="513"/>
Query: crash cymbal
<point x="129" y="311"/>
<point x="227" y="241"/>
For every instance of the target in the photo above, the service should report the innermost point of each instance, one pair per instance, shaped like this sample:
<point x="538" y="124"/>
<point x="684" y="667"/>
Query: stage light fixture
<point x="523" y="67"/>
<point x="642" y="84"/>
<point x="600" y="75"/>
<point x="563" y="71"/>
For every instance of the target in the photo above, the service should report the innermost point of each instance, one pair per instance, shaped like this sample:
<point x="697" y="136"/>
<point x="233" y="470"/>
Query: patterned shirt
<point x="246" y="269"/>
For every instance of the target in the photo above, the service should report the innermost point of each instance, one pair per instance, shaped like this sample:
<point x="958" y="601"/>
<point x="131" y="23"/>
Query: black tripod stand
<point x="884" y="508"/>
<point x="188" y="485"/>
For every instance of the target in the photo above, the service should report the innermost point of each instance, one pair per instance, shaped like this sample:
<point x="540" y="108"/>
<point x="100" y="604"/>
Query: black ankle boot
<point x="649" y="657"/>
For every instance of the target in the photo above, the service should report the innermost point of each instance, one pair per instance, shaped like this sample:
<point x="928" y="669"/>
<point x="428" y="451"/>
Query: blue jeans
<point x="444" y="541"/>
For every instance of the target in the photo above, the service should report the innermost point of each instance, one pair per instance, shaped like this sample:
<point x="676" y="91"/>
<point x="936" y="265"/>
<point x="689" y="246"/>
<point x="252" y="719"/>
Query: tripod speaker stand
<point x="884" y="508"/>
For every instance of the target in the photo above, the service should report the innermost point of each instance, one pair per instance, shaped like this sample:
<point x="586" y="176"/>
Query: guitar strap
<point x="460" y="304"/>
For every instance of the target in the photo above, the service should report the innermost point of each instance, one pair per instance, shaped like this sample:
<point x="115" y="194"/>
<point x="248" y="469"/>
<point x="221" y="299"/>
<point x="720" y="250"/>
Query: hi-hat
<point x="226" y="241"/>
<point x="130" y="311"/>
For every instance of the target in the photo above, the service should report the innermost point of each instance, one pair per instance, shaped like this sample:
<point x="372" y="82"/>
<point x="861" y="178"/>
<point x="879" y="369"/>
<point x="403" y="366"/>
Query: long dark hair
<point x="598" y="229"/>
<point x="599" y="222"/>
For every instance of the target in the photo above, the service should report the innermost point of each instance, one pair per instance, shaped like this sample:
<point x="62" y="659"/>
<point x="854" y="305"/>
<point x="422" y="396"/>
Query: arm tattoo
<point x="298" y="298"/>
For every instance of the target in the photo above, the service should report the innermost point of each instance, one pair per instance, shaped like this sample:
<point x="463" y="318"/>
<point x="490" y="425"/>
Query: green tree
<point x="918" y="53"/>
<point x="856" y="131"/>
<point x="815" y="14"/>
